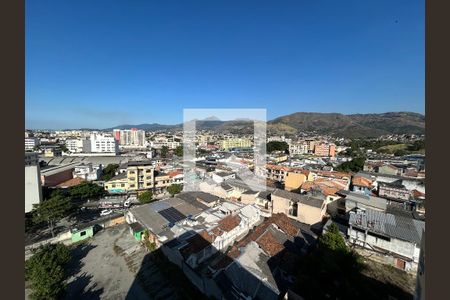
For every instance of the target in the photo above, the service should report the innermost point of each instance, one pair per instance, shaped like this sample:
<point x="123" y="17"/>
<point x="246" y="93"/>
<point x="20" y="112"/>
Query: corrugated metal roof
<point x="407" y="229"/>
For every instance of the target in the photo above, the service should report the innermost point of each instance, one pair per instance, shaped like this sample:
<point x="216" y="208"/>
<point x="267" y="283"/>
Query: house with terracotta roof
<point x="258" y="265"/>
<point x="362" y="184"/>
<point x="200" y="236"/>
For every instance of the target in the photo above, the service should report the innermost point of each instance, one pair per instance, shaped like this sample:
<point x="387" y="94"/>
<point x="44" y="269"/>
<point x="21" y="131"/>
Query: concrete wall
<point x="33" y="190"/>
<point x="305" y="213"/>
<point x="57" y="178"/>
<point x="294" y="181"/>
<point x="397" y="246"/>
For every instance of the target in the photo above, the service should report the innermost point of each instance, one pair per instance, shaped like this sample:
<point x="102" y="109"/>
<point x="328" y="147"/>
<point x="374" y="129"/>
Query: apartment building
<point x="235" y="143"/>
<point x="104" y="144"/>
<point x="78" y="145"/>
<point x="298" y="148"/>
<point x="30" y="143"/>
<point x="33" y="189"/>
<point x="303" y="208"/>
<point x="325" y="149"/>
<point x="130" y="137"/>
<point x="140" y="175"/>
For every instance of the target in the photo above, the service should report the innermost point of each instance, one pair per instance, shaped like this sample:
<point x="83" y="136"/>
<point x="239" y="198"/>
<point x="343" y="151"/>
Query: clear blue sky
<point x="103" y="63"/>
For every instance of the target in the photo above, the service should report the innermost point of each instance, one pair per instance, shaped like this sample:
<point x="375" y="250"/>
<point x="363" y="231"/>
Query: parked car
<point x="105" y="212"/>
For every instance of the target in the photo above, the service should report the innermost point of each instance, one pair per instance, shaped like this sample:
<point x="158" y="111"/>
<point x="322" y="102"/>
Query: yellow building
<point x="295" y="178"/>
<point x="140" y="175"/>
<point x="235" y="143"/>
<point x="117" y="184"/>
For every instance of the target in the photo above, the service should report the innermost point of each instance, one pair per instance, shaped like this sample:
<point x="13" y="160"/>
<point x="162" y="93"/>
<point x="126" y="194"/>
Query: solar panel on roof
<point x="172" y="214"/>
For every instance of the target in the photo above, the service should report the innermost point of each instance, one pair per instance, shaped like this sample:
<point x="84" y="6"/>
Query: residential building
<point x="303" y="208"/>
<point x="394" y="191"/>
<point x="277" y="172"/>
<point x="354" y="200"/>
<point x="397" y="238"/>
<point x="247" y="270"/>
<point x="160" y="217"/>
<point x="33" y="189"/>
<point x="140" y="175"/>
<point x="420" y="281"/>
<point x="298" y="148"/>
<point x="104" y="144"/>
<point x="389" y="169"/>
<point x="130" y="137"/>
<point x="325" y="149"/>
<point x="89" y="172"/>
<point x="233" y="143"/>
<point x="362" y="184"/>
<point x="295" y="178"/>
<point x="220" y="177"/>
<point x="117" y="184"/>
<point x="81" y="145"/>
<point x="31" y="143"/>
<point x="52" y="152"/>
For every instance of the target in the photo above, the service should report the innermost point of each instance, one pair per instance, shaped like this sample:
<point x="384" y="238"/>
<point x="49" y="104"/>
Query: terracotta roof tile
<point x="229" y="222"/>
<point x="362" y="181"/>
<point x="270" y="244"/>
<point x="71" y="182"/>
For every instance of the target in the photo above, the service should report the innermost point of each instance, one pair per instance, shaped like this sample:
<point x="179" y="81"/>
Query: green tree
<point x="179" y="151"/>
<point x="276" y="146"/>
<point x="400" y="152"/>
<point x="175" y="189"/>
<point x="86" y="190"/>
<point x="164" y="151"/>
<point x="145" y="197"/>
<point x="64" y="148"/>
<point x="109" y="172"/>
<point x="45" y="270"/>
<point x="52" y="210"/>
<point x="332" y="263"/>
<point x="355" y="165"/>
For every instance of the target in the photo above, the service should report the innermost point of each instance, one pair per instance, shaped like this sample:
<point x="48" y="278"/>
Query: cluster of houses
<point x="233" y="240"/>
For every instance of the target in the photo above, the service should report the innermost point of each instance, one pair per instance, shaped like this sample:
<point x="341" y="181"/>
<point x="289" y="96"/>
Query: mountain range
<point x="336" y="124"/>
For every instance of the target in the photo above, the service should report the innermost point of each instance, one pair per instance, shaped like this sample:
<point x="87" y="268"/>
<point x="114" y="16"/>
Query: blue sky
<point x="102" y="63"/>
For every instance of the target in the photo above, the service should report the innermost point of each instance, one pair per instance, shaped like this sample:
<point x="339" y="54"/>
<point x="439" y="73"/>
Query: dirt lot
<point x="97" y="272"/>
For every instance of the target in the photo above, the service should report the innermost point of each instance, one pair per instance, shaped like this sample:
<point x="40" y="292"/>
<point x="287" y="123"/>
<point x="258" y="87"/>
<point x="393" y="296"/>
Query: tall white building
<point x="31" y="142"/>
<point x="104" y="144"/>
<point x="33" y="188"/>
<point x="130" y="137"/>
<point x="78" y="145"/>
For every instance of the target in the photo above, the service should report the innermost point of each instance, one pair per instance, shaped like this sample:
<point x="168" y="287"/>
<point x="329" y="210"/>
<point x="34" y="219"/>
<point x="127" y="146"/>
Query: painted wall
<point x="83" y="234"/>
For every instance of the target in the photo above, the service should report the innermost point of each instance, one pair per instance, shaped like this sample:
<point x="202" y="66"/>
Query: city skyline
<point x="92" y="66"/>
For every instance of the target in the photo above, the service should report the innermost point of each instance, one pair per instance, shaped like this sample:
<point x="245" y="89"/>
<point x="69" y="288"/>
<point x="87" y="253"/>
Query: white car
<point x="105" y="212"/>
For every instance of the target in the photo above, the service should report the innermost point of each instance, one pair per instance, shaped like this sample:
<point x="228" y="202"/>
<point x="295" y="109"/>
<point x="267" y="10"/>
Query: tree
<point x="355" y="165"/>
<point x="179" y="151"/>
<point x="52" y="210"/>
<point x="109" y="172"/>
<point x="164" y="151"/>
<point x="46" y="271"/>
<point x="86" y="190"/>
<point x="277" y="146"/>
<point x="400" y="152"/>
<point x="145" y="197"/>
<point x="64" y="148"/>
<point x="332" y="263"/>
<point x="175" y="189"/>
